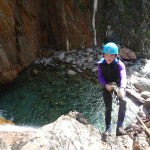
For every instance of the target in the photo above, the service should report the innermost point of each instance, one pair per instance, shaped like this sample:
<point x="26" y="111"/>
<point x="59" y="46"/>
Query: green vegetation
<point x="147" y="34"/>
<point x="80" y="5"/>
<point x="60" y="4"/>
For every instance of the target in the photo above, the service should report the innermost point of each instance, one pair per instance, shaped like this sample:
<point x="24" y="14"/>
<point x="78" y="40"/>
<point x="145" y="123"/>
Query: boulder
<point x="143" y="84"/>
<point x="72" y="132"/>
<point x="145" y="94"/>
<point x="136" y="97"/>
<point x="147" y="103"/>
<point x="127" y="54"/>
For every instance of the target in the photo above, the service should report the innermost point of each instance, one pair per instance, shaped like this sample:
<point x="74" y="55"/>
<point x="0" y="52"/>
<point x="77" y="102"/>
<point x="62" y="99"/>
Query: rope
<point x="143" y="125"/>
<point x="115" y="95"/>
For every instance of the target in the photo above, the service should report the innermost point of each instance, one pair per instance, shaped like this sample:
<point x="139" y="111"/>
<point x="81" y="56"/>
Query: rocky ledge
<point x="70" y="132"/>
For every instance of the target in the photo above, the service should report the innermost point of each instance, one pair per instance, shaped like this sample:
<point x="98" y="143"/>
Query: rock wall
<point x="27" y="28"/>
<point x="18" y="37"/>
<point x="65" y="24"/>
<point x="126" y="23"/>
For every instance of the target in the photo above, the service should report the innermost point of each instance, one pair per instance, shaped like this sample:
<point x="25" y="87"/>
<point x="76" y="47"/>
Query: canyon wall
<point x="29" y="27"/>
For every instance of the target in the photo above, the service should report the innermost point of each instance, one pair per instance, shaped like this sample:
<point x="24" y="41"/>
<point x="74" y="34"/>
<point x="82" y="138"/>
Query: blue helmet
<point x="110" y="48"/>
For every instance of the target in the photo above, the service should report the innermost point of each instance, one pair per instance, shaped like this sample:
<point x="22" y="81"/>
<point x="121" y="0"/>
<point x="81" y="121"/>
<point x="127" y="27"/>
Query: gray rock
<point x="148" y="75"/>
<point x="90" y="50"/>
<point x="142" y="111"/>
<point x="79" y="63"/>
<point x="136" y="97"/>
<point x="68" y="59"/>
<point x="143" y="84"/>
<point x="90" y="59"/>
<point x="59" y="55"/>
<point x="147" y="103"/>
<point x="145" y="94"/>
<point x="66" y="133"/>
<point x="71" y="72"/>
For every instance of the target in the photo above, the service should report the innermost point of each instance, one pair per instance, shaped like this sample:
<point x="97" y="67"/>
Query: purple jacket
<point x="122" y="71"/>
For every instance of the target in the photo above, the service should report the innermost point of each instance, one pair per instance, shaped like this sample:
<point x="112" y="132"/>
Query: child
<point x="111" y="69"/>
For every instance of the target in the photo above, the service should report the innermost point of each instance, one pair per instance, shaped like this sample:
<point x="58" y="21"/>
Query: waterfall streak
<point x="93" y="20"/>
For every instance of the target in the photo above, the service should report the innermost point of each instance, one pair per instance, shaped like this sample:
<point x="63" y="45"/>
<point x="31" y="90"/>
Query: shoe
<point x="120" y="131"/>
<point x="107" y="133"/>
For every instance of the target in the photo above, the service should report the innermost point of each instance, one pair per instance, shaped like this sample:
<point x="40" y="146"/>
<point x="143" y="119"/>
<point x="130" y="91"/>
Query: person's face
<point x="109" y="58"/>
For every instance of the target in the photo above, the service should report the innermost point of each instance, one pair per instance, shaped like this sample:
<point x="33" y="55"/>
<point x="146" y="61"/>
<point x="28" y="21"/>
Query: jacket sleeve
<point x="101" y="78"/>
<point x="123" y="77"/>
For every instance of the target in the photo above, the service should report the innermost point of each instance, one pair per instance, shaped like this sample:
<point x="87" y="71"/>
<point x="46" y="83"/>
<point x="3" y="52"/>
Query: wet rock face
<point x="27" y="26"/>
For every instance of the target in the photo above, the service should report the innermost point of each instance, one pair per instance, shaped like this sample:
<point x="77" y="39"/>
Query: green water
<point x="36" y="99"/>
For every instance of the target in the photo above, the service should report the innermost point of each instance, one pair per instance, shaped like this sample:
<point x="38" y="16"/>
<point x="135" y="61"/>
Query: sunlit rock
<point x="5" y="121"/>
<point x="72" y="132"/>
<point x="136" y="97"/>
<point x="143" y="84"/>
<point x="145" y="94"/>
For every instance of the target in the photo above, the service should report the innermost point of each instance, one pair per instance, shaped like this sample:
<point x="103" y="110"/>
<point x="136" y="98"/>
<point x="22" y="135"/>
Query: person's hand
<point x="122" y="91"/>
<point x="109" y="87"/>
